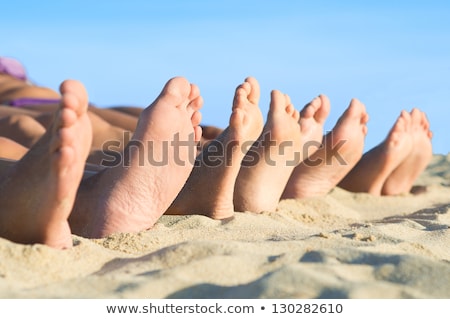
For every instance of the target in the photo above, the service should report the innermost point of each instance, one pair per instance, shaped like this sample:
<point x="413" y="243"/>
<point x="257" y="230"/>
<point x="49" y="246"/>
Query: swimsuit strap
<point x="24" y="101"/>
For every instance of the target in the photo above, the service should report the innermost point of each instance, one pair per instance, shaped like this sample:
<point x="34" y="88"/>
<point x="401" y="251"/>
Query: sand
<point x="342" y="245"/>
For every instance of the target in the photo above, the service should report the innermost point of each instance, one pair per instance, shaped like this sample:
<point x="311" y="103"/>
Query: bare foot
<point x="131" y="196"/>
<point x="285" y="141"/>
<point x="402" y="178"/>
<point x="371" y="172"/>
<point x="38" y="192"/>
<point x="341" y="150"/>
<point x="209" y="190"/>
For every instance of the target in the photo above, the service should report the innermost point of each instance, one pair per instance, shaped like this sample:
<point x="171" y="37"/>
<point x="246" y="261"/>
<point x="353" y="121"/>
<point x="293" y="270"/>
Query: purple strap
<point x="13" y="67"/>
<point x="31" y="101"/>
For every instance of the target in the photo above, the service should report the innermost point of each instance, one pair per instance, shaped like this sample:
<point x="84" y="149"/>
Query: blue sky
<point x="391" y="55"/>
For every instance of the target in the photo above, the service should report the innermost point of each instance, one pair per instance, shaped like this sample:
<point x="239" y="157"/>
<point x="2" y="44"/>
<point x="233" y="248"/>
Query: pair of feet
<point x="390" y="168"/>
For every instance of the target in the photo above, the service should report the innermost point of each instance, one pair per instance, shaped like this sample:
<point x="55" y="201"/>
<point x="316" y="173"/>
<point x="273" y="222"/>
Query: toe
<point x="177" y="91"/>
<point x="277" y="102"/>
<point x="196" y="118"/>
<point x="322" y="113"/>
<point x="254" y="94"/>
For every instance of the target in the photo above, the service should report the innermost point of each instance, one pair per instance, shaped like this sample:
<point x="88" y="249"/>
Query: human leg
<point x="115" y="118"/>
<point x="130" y="110"/>
<point x="22" y="129"/>
<point x="10" y="150"/>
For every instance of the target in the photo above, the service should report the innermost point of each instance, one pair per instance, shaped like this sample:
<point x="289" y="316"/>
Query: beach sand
<point x="342" y="245"/>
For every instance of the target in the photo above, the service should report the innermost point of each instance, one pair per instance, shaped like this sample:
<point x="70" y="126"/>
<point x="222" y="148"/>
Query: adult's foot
<point x="341" y="150"/>
<point x="371" y="172"/>
<point x="38" y="192"/>
<point x="209" y="190"/>
<point x="285" y="142"/>
<point x="132" y="195"/>
<point x="404" y="175"/>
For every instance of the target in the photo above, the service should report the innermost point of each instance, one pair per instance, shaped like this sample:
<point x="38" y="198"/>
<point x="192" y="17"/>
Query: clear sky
<point x="391" y="55"/>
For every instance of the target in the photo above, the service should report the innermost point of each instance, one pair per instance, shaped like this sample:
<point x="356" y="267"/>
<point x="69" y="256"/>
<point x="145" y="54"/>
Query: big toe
<point x="278" y="102"/>
<point x="324" y="109"/>
<point x="177" y="90"/>
<point x="76" y="89"/>
<point x="254" y="93"/>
